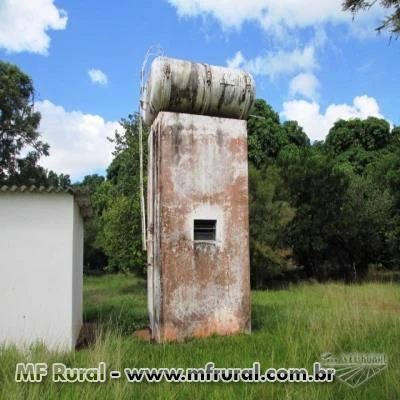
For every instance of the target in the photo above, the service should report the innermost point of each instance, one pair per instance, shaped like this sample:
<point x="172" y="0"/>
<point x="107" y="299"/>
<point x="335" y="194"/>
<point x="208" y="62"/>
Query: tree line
<point x="326" y="210"/>
<point x="322" y="210"/>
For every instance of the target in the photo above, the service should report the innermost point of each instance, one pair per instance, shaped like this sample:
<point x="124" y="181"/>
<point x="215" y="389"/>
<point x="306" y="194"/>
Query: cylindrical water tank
<point x="194" y="88"/>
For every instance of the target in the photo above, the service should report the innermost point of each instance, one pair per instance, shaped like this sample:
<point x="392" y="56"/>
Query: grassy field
<point x="291" y="328"/>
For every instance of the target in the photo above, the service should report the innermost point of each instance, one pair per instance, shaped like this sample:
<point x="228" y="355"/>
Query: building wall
<point x="36" y="261"/>
<point x="198" y="170"/>
<point x="77" y="274"/>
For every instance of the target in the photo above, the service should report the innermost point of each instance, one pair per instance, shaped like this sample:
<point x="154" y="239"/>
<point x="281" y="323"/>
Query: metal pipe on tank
<point x="194" y="88"/>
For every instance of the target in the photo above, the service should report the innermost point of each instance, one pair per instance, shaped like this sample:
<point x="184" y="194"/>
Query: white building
<point x="41" y="265"/>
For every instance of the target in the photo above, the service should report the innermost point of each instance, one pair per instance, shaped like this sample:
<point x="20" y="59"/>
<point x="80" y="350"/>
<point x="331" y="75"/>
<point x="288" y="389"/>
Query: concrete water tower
<point x="197" y="203"/>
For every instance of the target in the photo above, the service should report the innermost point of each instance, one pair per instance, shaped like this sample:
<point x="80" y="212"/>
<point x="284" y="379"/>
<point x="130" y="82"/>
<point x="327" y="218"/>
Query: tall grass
<point x="291" y="328"/>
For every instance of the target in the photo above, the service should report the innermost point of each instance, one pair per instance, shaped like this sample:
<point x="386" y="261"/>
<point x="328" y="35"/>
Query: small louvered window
<point x="205" y="229"/>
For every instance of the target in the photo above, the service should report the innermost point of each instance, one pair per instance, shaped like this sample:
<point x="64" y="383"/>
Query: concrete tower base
<point x="198" y="235"/>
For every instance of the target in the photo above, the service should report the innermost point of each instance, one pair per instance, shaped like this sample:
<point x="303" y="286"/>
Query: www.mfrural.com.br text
<point x="59" y="372"/>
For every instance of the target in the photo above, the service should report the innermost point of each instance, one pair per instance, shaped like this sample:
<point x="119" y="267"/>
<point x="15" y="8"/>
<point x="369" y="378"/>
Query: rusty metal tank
<point x="194" y="88"/>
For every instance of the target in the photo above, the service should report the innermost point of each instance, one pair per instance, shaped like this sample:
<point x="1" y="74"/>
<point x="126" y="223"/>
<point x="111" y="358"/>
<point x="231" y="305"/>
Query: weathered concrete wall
<point x="198" y="170"/>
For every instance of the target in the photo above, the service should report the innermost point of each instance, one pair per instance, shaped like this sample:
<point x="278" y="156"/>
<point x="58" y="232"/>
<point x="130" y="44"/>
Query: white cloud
<point x="366" y="66"/>
<point x="282" y="18"/>
<point x="317" y="124"/>
<point x="78" y="142"/>
<point x="305" y="84"/>
<point x="98" y="76"/>
<point x="269" y="13"/>
<point x="237" y="61"/>
<point x="24" y="24"/>
<point x="272" y="15"/>
<point x="276" y="63"/>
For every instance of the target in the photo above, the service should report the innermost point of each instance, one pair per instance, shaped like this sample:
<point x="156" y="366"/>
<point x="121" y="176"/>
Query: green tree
<point x="18" y="124"/>
<point x="395" y="136"/>
<point x="344" y="220"/>
<point x="269" y="213"/>
<point x="264" y="134"/>
<point x="112" y="236"/>
<point x="385" y="173"/>
<point x="118" y="204"/>
<point x="29" y="173"/>
<point x="364" y="223"/>
<point x="119" y="234"/>
<point x="359" y="142"/>
<point x="317" y="189"/>
<point x="370" y="134"/>
<point x="95" y="258"/>
<point x="91" y="182"/>
<point x="267" y="137"/>
<point x="294" y="134"/>
<point x="391" y="23"/>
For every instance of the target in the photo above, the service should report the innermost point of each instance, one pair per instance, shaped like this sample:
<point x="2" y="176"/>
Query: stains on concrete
<point x="220" y="137"/>
<point x="177" y="141"/>
<point x="198" y="288"/>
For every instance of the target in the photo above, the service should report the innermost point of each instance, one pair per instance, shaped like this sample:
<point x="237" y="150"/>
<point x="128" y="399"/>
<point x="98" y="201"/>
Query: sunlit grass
<point x="291" y="328"/>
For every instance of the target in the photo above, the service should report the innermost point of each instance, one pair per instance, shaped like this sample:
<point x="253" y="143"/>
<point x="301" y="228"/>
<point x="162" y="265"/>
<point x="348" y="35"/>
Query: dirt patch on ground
<point x="143" y="334"/>
<point x="389" y="307"/>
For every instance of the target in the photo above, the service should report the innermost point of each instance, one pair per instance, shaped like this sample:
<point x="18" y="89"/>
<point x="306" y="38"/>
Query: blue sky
<point x="311" y="62"/>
